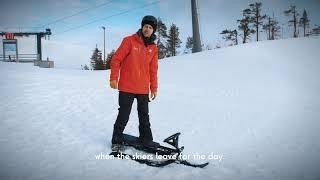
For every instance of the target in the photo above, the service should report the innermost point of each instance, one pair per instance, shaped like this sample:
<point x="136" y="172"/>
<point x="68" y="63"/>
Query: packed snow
<point x="255" y="107"/>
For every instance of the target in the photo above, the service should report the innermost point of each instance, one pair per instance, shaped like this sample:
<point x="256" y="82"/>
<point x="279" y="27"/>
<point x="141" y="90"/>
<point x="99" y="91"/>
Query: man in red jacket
<point x="137" y="61"/>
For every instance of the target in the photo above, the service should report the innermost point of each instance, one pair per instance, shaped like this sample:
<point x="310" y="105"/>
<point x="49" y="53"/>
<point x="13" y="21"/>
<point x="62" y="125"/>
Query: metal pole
<point x="39" y="52"/>
<point x="4" y="52"/>
<point x="104" y="44"/>
<point x="195" y="28"/>
<point x="17" y="58"/>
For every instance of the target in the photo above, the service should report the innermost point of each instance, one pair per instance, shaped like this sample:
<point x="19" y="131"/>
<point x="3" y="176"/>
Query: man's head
<point x="148" y="25"/>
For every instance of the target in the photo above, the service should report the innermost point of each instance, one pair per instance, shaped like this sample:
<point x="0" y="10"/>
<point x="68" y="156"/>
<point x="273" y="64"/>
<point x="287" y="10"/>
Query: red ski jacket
<point x="138" y="66"/>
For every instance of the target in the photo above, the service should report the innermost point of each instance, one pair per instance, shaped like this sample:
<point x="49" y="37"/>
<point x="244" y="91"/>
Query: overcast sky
<point x="123" y="18"/>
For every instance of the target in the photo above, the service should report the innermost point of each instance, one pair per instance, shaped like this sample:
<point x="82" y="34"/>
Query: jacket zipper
<point x="139" y="64"/>
<point x="144" y="59"/>
<point x="143" y="62"/>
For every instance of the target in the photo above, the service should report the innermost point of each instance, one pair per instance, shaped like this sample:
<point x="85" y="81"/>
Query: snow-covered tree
<point x="230" y="35"/>
<point x="304" y="22"/>
<point x="294" y="21"/>
<point x="244" y="25"/>
<point x="272" y="28"/>
<point x="256" y="17"/>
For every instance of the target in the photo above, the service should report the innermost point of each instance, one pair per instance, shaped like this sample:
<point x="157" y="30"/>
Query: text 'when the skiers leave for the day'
<point x="195" y="156"/>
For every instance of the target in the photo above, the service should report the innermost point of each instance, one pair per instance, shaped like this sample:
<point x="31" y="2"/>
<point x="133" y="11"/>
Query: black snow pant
<point x="125" y="105"/>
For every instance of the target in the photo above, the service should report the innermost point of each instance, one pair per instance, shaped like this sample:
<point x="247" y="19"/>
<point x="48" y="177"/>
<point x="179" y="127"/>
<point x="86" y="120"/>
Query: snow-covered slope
<point x="255" y="105"/>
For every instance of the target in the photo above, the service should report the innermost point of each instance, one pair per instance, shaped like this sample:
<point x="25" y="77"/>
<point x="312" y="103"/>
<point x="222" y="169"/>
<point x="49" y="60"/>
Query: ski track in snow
<point x="260" y="111"/>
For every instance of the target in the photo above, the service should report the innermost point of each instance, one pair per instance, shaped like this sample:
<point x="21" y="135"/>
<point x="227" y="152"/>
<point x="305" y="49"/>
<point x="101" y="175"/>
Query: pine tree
<point x="100" y="65"/>
<point x="109" y="57"/>
<point x="231" y="35"/>
<point x="275" y="29"/>
<point x="189" y="45"/>
<point x="162" y="39"/>
<point x="235" y="36"/>
<point x="85" y="67"/>
<point x="93" y="58"/>
<point x="256" y="17"/>
<point x="96" y="60"/>
<point x="245" y="25"/>
<point x="173" y="42"/>
<point x="272" y="28"/>
<point x="292" y="11"/>
<point x="304" y="22"/>
<point x="267" y="28"/>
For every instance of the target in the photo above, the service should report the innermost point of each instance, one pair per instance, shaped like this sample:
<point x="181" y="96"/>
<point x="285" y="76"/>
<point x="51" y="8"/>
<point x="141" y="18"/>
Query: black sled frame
<point x="172" y="140"/>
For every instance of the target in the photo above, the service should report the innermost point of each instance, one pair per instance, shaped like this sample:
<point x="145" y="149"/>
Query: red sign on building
<point x="9" y="36"/>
